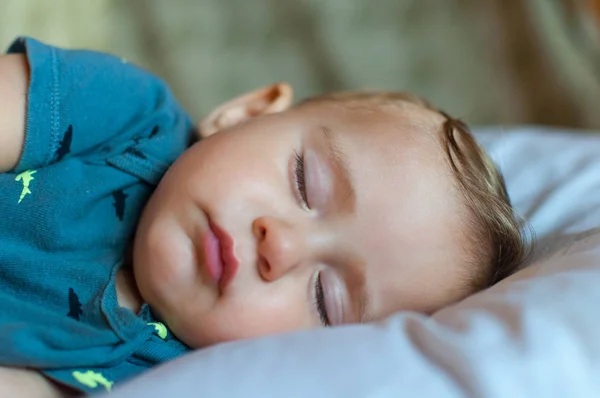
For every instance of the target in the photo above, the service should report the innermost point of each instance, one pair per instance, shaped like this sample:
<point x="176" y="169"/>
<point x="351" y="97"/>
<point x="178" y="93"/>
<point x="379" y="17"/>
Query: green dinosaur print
<point x="160" y="329"/>
<point x="25" y="177"/>
<point x="92" y="379"/>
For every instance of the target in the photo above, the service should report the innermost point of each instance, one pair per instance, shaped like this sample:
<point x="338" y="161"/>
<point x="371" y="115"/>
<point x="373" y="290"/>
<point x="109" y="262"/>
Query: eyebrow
<point x="337" y="155"/>
<point x="364" y="315"/>
<point x="360" y="295"/>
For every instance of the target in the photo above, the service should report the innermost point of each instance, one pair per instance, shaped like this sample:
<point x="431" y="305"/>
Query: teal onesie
<point x="100" y="134"/>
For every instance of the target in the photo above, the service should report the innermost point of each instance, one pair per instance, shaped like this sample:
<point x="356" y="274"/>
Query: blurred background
<point x="487" y="61"/>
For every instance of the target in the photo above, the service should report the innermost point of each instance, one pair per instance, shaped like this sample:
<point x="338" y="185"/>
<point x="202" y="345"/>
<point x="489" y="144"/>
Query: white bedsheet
<point x="537" y="334"/>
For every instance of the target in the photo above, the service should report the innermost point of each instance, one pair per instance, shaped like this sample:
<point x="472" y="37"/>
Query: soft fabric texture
<point x="536" y="334"/>
<point x="100" y="135"/>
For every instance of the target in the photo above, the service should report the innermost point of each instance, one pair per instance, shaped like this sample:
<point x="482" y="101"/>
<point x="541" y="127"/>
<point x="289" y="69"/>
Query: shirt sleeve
<point x="87" y="103"/>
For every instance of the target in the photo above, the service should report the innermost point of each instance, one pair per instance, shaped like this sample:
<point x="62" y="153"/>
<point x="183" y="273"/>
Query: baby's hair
<point x="502" y="232"/>
<point x="498" y="243"/>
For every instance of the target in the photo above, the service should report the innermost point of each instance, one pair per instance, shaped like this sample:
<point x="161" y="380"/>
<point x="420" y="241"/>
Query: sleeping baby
<point x="130" y="236"/>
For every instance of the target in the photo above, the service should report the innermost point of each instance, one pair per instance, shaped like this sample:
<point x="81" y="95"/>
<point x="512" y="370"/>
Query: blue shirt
<point x="100" y="134"/>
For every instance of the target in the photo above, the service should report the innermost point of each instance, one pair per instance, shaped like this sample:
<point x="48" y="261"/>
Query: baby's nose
<point x="280" y="246"/>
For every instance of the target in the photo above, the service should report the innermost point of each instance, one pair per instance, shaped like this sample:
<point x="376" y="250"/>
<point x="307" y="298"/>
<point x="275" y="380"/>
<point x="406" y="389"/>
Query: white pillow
<point x="536" y="334"/>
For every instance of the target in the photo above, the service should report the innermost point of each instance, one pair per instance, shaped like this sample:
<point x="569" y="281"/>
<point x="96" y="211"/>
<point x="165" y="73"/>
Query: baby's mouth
<point x="212" y="255"/>
<point x="220" y="258"/>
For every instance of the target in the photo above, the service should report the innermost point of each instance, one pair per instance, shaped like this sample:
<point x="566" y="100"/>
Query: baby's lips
<point x="212" y="255"/>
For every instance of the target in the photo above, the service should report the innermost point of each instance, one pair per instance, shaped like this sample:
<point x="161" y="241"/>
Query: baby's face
<point x="318" y="214"/>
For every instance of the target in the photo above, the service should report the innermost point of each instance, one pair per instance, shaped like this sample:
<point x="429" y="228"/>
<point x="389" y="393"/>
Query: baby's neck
<point x="128" y="294"/>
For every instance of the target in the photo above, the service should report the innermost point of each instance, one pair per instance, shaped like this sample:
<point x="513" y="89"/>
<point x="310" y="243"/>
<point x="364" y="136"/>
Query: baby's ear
<point x="270" y="99"/>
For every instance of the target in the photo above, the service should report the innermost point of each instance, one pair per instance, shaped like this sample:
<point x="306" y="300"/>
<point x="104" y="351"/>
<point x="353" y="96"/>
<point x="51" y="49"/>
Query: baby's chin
<point x="195" y="329"/>
<point x="156" y="277"/>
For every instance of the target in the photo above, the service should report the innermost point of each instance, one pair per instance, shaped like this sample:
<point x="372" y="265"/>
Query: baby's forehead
<point x="390" y="126"/>
<point x="396" y="155"/>
<point x="380" y="134"/>
<point x="406" y="211"/>
<point x="404" y="114"/>
<point x="387" y="144"/>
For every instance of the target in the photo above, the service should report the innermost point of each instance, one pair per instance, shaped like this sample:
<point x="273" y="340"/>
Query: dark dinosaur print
<point x="64" y="146"/>
<point x="136" y="152"/>
<point x="74" y="305"/>
<point x="119" y="203"/>
<point x="155" y="131"/>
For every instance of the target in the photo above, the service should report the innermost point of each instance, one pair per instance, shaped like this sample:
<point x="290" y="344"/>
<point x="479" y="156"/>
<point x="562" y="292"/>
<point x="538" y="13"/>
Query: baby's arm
<point x="27" y="383"/>
<point x="14" y="80"/>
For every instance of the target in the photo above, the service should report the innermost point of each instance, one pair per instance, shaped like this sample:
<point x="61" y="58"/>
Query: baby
<point x="342" y="209"/>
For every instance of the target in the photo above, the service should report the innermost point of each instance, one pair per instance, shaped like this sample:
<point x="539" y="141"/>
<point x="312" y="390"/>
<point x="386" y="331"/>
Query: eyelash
<point x="301" y="179"/>
<point x="320" y="301"/>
